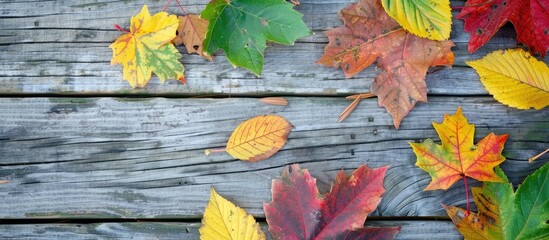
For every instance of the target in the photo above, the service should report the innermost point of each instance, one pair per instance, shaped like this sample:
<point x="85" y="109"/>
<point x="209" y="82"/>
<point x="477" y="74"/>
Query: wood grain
<point x="412" y="230"/>
<point x="110" y="158"/>
<point x="61" y="47"/>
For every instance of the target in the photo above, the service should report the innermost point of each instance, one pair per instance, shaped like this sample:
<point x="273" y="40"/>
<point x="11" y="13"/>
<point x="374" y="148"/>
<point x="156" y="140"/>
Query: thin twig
<point x="538" y="156"/>
<point x="349" y="109"/>
<point x="362" y="96"/>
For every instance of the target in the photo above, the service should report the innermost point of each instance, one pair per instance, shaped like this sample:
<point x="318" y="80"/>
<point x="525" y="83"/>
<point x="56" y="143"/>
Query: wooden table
<point x="84" y="156"/>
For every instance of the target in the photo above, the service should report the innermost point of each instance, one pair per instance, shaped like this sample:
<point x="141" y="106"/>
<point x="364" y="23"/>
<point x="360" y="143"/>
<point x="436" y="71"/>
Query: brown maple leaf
<point x="191" y="32"/>
<point x="369" y="34"/>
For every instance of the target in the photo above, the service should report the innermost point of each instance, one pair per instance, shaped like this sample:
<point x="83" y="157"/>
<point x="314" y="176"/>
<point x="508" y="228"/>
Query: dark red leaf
<point x="297" y="211"/>
<point x="530" y="18"/>
<point x="294" y="212"/>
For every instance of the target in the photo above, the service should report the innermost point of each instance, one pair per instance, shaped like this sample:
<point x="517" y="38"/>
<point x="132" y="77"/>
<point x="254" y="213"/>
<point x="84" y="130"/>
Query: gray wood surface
<point x="62" y="47"/>
<point x="108" y="157"/>
<point x="412" y="230"/>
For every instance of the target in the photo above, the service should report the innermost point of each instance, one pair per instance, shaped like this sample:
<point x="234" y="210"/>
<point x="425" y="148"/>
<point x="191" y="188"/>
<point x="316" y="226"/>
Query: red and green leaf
<point x="458" y="156"/>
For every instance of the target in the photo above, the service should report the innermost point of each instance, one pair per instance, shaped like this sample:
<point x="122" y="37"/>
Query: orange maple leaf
<point x="370" y="34"/>
<point x="458" y="156"/>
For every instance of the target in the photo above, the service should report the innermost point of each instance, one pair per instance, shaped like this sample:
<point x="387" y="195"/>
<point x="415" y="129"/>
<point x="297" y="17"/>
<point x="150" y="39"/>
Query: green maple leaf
<point x="242" y="27"/>
<point x="504" y="214"/>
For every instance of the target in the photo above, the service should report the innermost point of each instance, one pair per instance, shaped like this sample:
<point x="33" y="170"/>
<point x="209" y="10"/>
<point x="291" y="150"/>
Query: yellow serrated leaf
<point x="224" y="220"/>
<point x="259" y="138"/>
<point x="515" y="78"/>
<point x="147" y="48"/>
<point x="430" y="19"/>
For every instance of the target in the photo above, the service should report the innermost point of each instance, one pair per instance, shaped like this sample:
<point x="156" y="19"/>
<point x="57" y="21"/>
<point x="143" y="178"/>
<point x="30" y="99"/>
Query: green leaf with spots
<point x="425" y="18"/>
<point x="242" y="27"/>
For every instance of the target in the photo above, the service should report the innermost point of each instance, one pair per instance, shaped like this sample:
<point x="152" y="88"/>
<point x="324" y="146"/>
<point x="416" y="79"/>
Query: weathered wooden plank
<point x="62" y="47"/>
<point x="102" y="157"/>
<point x="182" y="231"/>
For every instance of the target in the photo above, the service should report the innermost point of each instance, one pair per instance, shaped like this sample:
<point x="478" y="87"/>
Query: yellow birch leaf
<point x="147" y="48"/>
<point x="224" y="220"/>
<point x="430" y="19"/>
<point x="515" y="78"/>
<point x="259" y="138"/>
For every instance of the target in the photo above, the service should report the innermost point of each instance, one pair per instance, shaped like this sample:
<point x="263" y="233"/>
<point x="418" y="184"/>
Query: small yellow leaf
<point x="223" y="220"/>
<point x="259" y="138"/>
<point x="515" y="78"/>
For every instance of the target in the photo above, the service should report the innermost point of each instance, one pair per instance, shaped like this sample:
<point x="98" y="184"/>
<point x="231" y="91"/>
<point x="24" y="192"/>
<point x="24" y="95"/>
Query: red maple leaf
<point x="298" y="211"/>
<point x="530" y="17"/>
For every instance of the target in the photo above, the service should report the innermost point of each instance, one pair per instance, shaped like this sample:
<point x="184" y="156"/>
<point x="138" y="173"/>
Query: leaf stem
<point x="466" y="195"/>
<point x="117" y="27"/>
<point x="166" y="6"/>
<point x="178" y="3"/>
<point x="538" y="156"/>
<point x="181" y="7"/>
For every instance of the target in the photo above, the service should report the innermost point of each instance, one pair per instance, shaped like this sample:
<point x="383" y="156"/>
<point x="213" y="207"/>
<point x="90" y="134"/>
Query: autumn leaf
<point x="191" y="32"/>
<point x="530" y="18"/>
<point x="370" y="34"/>
<point x="242" y="27"/>
<point x="515" y="78"/>
<point x="504" y="214"/>
<point x="298" y="211"/>
<point x="223" y="220"/>
<point x="458" y="157"/>
<point x="147" y="48"/>
<point x="259" y="138"/>
<point x="428" y="18"/>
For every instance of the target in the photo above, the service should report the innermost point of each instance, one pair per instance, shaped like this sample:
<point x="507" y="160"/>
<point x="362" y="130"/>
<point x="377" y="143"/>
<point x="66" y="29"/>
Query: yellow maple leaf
<point x="515" y="78"/>
<point x="147" y="48"/>
<point x="259" y="138"/>
<point x="224" y="220"/>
